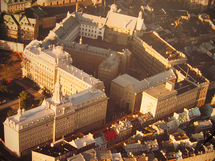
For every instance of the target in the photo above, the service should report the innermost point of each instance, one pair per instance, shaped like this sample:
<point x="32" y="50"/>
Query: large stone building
<point x="168" y="72"/>
<point x="82" y="109"/>
<point x="154" y="54"/>
<point x="126" y="91"/>
<point x="18" y="27"/>
<point x="187" y="91"/>
<point x="87" y="57"/>
<point x="43" y="65"/>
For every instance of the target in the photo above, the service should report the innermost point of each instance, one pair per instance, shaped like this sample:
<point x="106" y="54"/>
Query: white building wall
<point x="11" y="138"/>
<point x="148" y="104"/>
<point x="41" y="157"/>
<point x="11" y="46"/>
<point x="91" y="31"/>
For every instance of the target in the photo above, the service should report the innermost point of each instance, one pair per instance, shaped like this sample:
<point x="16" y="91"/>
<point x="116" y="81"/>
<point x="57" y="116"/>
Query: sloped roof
<point x="119" y="20"/>
<point x="110" y="135"/>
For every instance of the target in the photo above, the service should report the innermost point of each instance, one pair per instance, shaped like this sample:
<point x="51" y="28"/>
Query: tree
<point x="24" y="95"/>
<point x="25" y="100"/>
<point x="11" y="112"/>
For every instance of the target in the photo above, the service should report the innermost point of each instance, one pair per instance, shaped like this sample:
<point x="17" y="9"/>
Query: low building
<point x="78" y="157"/>
<point x="122" y="129"/>
<point x="59" y="150"/>
<point x="197" y="136"/>
<point x="202" y="125"/>
<point x="197" y="5"/>
<point x="172" y="126"/>
<point x="208" y="48"/>
<point x="181" y="140"/>
<point x="104" y="155"/>
<point x="83" y="144"/>
<point x="111" y="138"/>
<point x="100" y="143"/>
<point x="90" y="155"/>
<point x="146" y="146"/>
<point x="117" y="157"/>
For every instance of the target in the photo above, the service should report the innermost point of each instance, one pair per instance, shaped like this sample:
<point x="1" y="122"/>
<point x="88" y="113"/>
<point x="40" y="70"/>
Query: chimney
<point x="170" y="85"/>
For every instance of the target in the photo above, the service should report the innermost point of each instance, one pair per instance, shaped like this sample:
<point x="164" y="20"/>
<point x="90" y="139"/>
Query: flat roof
<point x="162" y="47"/>
<point x="55" y="151"/>
<point x="160" y="91"/>
<point x="192" y="73"/>
<point x="184" y="86"/>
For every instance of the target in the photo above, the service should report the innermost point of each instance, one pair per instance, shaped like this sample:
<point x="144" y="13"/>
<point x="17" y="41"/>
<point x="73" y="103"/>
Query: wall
<point x="11" y="138"/>
<point x="11" y="46"/>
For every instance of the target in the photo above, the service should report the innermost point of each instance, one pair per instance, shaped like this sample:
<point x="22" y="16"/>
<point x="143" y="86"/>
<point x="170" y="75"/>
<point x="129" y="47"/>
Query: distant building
<point x="146" y="146"/>
<point x="12" y="6"/>
<point x="66" y="2"/>
<point x="208" y="48"/>
<point x="18" y="27"/>
<point x="196" y="5"/>
<point x="202" y="125"/>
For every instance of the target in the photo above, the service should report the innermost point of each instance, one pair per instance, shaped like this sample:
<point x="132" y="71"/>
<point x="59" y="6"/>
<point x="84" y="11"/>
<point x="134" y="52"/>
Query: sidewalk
<point x="30" y="89"/>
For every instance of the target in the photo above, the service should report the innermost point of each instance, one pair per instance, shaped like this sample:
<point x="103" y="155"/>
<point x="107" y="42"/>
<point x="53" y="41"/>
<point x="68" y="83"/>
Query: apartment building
<point x="154" y="54"/>
<point x="186" y="92"/>
<point x="126" y="91"/>
<point x="67" y="2"/>
<point x="18" y="27"/>
<point x="16" y="5"/>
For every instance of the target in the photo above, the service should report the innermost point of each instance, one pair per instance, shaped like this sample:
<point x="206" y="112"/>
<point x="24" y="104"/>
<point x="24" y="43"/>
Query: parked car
<point x="2" y="100"/>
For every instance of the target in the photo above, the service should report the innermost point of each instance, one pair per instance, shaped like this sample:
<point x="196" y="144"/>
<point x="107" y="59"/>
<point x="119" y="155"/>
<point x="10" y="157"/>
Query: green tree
<point x="24" y="95"/>
<point x="25" y="100"/>
<point x="3" y="88"/>
<point x="11" y="112"/>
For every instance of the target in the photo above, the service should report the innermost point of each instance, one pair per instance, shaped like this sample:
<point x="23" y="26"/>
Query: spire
<point x="56" y="98"/>
<point x="19" y="112"/>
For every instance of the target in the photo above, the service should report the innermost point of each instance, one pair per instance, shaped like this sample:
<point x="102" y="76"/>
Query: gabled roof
<point x="110" y="136"/>
<point x="119" y="20"/>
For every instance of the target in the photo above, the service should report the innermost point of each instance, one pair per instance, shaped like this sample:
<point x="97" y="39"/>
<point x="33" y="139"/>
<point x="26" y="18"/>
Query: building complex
<point x="79" y="102"/>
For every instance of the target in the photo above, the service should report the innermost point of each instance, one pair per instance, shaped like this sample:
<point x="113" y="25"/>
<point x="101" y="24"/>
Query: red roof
<point x="110" y="135"/>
